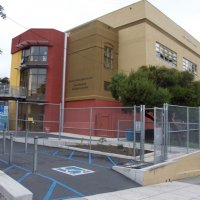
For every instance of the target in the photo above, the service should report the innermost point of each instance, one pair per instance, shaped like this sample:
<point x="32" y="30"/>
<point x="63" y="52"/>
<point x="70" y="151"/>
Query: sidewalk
<point x="188" y="189"/>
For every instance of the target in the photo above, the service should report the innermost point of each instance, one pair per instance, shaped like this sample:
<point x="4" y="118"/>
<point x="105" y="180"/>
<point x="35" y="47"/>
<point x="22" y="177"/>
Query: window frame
<point x="108" y="56"/>
<point x="188" y="65"/>
<point x="166" y="54"/>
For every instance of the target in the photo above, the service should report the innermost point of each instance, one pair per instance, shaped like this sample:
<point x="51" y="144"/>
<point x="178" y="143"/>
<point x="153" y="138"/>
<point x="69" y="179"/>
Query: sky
<point x="66" y="14"/>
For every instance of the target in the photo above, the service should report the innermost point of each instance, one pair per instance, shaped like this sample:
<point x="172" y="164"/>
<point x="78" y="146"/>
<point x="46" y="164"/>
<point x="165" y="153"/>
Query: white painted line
<point x="73" y="170"/>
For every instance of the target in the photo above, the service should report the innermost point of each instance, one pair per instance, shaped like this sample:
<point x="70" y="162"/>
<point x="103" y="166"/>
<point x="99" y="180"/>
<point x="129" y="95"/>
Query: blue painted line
<point x="63" y="185"/>
<point x="69" y="197"/>
<point x="23" y="177"/>
<point x="8" y="168"/>
<point x="71" y="155"/>
<point x="22" y="168"/>
<point x="3" y="161"/>
<point x="55" y="153"/>
<point x="80" y="161"/>
<point x="50" y="191"/>
<point x="46" y="153"/>
<point x="90" y="158"/>
<point x="111" y="160"/>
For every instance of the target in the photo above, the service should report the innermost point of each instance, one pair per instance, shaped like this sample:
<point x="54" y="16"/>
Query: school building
<point x="75" y="67"/>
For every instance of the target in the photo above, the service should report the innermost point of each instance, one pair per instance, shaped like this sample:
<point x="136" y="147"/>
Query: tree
<point x="154" y="86"/>
<point x="117" y="85"/>
<point x="2" y="14"/>
<point x="4" y="81"/>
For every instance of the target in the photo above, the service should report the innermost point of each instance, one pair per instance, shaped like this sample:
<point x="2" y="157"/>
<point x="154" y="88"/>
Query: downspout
<point x="63" y="82"/>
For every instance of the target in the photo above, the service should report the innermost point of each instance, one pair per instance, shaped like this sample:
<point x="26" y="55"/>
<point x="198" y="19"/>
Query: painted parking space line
<point x="3" y="161"/>
<point x="23" y="177"/>
<point x="8" y="168"/>
<point x="55" y="153"/>
<point x="112" y="161"/>
<point x="77" y="193"/>
<point x="71" y="155"/>
<point x="73" y="170"/>
<point x="48" y="194"/>
<point x="50" y="191"/>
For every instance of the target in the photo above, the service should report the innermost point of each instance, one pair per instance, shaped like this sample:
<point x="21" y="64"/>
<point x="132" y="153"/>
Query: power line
<point x="41" y="36"/>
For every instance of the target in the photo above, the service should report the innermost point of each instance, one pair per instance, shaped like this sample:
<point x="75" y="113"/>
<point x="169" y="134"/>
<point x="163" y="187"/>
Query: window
<point x="108" y="57"/>
<point x="106" y="86"/>
<point x="189" y="66"/>
<point x="34" y="80"/>
<point x="35" y="54"/>
<point x="166" y="54"/>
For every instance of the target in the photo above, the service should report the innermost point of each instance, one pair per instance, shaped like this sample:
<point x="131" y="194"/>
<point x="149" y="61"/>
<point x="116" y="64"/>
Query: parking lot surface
<point x="62" y="173"/>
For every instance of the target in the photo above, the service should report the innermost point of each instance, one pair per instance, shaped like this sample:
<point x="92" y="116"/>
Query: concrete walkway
<point x="188" y="189"/>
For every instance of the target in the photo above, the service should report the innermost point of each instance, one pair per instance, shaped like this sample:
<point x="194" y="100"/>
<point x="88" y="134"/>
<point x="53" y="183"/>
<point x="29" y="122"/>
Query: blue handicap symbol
<point x="1" y="108"/>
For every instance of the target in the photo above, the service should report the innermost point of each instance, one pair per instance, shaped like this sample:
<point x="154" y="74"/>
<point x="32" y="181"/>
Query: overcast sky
<point x="65" y="14"/>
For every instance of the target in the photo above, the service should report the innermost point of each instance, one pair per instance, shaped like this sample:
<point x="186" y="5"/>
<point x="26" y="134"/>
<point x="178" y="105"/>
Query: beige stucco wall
<point x="183" y="167"/>
<point x="126" y="15"/>
<point x="161" y="20"/>
<point x="178" y="168"/>
<point x="132" y="54"/>
<point x="154" y="35"/>
<point x="86" y="72"/>
<point x="145" y="10"/>
<point x="132" y="32"/>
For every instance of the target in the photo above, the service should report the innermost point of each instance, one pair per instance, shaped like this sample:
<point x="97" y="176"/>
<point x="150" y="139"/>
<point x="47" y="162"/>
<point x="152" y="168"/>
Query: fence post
<point x="26" y="141"/>
<point x="166" y="132"/>
<point x="4" y="142"/>
<point x="35" y="154"/>
<point x="134" y="131"/>
<point x="90" y="128"/>
<point x="16" y="117"/>
<point x="142" y="136"/>
<point x="8" y="124"/>
<point x="155" y="133"/>
<point x="61" y="121"/>
<point x="11" y="149"/>
<point x="118" y="134"/>
<point x="188" y="132"/>
<point x="199" y="127"/>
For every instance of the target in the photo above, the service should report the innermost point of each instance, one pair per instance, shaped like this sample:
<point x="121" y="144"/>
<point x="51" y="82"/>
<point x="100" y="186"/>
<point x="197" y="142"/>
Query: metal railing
<point x="13" y="91"/>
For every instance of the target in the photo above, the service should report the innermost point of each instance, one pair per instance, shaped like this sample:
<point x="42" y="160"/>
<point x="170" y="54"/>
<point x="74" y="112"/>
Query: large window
<point x="108" y="57"/>
<point x="34" y="80"/>
<point x="35" y="54"/>
<point x="166" y="54"/>
<point x="189" y="66"/>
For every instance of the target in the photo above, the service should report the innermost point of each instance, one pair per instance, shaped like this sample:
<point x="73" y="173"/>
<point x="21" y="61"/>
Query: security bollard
<point x="11" y="149"/>
<point x="4" y="142"/>
<point x="35" y="154"/>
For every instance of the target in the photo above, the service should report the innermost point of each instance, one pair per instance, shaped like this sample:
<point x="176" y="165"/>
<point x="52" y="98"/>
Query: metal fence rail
<point x="133" y="131"/>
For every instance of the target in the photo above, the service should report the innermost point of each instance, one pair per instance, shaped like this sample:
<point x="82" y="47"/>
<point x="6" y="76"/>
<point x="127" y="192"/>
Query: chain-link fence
<point x="117" y="130"/>
<point x="183" y="128"/>
<point x="137" y="131"/>
<point x="158" y="135"/>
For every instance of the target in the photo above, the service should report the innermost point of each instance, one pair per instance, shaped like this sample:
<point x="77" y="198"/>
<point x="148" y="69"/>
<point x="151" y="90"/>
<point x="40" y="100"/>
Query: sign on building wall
<point x="3" y="117"/>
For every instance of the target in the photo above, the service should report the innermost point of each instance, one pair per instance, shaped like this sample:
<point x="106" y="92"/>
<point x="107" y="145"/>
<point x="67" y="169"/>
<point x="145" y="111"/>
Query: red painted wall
<point x="92" y="103"/>
<point x="55" y="58"/>
<point x="54" y="69"/>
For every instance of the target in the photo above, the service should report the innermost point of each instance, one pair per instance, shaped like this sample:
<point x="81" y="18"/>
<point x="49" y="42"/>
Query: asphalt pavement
<point x="62" y="173"/>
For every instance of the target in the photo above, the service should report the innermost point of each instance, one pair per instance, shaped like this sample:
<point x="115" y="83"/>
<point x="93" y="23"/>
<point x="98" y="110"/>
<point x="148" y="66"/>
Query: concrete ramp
<point x="182" y="167"/>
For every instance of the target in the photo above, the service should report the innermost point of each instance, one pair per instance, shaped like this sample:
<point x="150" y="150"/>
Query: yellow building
<point x="124" y="40"/>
